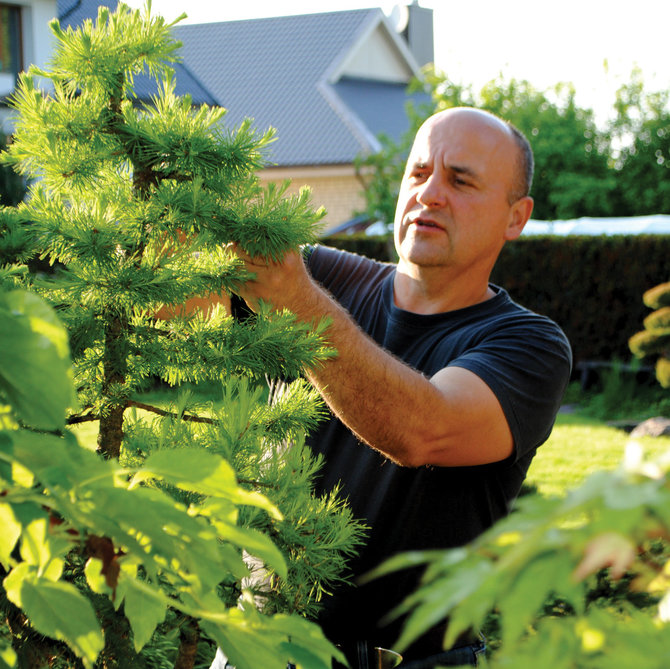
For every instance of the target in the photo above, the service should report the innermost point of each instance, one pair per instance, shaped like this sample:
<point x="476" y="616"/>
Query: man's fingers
<point x="249" y="260"/>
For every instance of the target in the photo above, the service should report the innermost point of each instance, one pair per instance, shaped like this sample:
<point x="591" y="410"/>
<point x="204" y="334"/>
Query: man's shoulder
<point x="329" y="265"/>
<point x="515" y="322"/>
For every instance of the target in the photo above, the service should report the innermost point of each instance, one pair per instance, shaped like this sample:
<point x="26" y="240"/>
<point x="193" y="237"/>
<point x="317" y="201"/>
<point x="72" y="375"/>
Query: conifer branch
<point x="84" y="418"/>
<point x="171" y="414"/>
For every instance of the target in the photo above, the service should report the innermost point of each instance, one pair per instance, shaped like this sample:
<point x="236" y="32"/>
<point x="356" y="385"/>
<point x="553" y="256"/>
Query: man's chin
<point x="422" y="255"/>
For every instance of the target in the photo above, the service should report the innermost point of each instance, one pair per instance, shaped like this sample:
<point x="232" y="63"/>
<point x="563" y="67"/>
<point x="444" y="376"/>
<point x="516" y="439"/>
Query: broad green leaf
<point x="201" y="472"/>
<point x="413" y="559"/>
<point x="630" y="496"/>
<point x="42" y="549"/>
<point x="57" y="610"/>
<point x="7" y="658"/>
<point x="192" y="469"/>
<point x="258" y="545"/>
<point x="251" y="540"/>
<point x="246" y="642"/>
<point x="307" y="645"/>
<point x="95" y="578"/>
<point x="55" y="461"/>
<point x="9" y="534"/>
<point x="145" y="609"/>
<point x="164" y="534"/>
<point x="435" y="600"/>
<point x="303" y="656"/>
<point x="525" y="594"/>
<point x="35" y="373"/>
<point x="34" y="548"/>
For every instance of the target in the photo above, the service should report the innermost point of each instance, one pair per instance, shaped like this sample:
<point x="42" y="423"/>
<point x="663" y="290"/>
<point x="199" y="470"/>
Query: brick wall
<point x="334" y="187"/>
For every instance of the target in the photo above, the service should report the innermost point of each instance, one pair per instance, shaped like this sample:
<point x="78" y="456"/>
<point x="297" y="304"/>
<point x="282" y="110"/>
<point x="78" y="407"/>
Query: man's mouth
<point x="425" y="223"/>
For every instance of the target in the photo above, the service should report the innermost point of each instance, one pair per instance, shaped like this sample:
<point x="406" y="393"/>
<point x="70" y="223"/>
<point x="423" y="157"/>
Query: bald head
<point x="482" y="121"/>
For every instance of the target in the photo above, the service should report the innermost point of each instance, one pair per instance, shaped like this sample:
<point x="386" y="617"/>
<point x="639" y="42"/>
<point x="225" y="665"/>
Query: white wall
<point x="38" y="40"/>
<point x="38" y="43"/>
<point x="377" y="57"/>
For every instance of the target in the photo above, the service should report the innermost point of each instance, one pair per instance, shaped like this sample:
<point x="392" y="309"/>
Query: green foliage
<point x="539" y="569"/>
<point x="654" y="340"/>
<point x="25" y="318"/>
<point x="154" y="544"/>
<point x="642" y="128"/>
<point x="571" y="160"/>
<point x="12" y="188"/>
<point x="580" y="168"/>
<point x="15" y="247"/>
<point x="56" y="501"/>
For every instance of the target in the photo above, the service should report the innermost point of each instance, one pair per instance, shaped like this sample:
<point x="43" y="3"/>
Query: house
<point x="329" y="83"/>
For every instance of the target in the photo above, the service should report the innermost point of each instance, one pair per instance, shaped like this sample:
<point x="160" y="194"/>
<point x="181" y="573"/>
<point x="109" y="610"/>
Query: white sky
<point x="475" y="40"/>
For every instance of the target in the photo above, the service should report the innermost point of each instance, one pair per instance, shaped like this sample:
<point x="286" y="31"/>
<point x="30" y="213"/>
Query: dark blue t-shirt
<point x="523" y="357"/>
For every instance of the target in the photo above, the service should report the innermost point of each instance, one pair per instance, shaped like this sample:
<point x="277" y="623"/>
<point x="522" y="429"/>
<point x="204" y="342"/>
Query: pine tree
<point x="12" y="188"/>
<point x="136" y="205"/>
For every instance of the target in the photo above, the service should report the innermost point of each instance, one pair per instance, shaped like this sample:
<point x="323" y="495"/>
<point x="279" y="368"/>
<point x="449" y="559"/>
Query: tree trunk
<point x="110" y="434"/>
<point x="188" y="646"/>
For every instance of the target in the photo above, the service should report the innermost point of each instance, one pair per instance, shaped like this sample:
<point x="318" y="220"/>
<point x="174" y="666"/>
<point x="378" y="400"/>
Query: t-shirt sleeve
<point x="346" y="276"/>
<point x="528" y="367"/>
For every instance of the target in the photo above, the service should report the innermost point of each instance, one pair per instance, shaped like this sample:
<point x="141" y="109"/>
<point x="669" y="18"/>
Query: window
<point x="10" y="40"/>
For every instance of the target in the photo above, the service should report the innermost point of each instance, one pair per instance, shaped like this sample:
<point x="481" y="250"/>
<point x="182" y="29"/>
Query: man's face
<point x="453" y="208"/>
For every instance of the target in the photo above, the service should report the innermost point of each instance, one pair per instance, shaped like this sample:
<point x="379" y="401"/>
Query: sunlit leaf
<point x="9" y="534"/>
<point x="524" y="595"/>
<point x="34" y="360"/>
<point x="57" y="610"/>
<point x="201" y="472"/>
<point x="145" y="608"/>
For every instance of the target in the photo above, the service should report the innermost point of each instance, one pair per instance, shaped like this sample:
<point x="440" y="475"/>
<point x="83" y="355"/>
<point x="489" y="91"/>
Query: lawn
<point x="578" y="446"/>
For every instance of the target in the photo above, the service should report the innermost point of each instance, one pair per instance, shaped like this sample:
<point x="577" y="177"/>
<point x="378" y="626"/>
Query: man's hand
<point x="280" y="283"/>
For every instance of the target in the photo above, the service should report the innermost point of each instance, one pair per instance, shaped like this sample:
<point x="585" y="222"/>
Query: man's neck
<point x="434" y="291"/>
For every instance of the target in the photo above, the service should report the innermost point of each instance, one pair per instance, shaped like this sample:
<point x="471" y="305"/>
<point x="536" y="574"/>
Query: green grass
<point x="578" y="446"/>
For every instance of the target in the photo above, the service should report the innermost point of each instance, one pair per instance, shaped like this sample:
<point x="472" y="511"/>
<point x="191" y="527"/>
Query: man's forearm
<point x="387" y="404"/>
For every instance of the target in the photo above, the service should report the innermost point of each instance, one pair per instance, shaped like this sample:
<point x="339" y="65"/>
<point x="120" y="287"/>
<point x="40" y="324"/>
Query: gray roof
<point x="73" y="13"/>
<point x="379" y="104"/>
<point x="276" y="71"/>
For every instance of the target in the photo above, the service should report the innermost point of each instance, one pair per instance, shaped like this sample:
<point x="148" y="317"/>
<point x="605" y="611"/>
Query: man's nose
<point x="432" y="193"/>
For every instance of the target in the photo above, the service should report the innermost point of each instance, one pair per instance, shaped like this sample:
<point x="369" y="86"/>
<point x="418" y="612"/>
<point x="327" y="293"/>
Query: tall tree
<point x="572" y="177"/>
<point x="137" y="204"/>
<point x="641" y="132"/>
<point x="581" y="169"/>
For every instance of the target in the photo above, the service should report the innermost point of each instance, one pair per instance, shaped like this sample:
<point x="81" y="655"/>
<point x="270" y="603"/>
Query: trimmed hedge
<point x="592" y="286"/>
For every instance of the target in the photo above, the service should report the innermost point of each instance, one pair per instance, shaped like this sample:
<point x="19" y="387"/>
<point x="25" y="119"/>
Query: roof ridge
<point x="282" y="18"/>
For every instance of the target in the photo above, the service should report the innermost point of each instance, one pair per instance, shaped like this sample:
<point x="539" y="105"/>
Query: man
<point x="443" y="388"/>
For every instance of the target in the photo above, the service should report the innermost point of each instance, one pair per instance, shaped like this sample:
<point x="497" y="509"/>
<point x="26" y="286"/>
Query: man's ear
<point x="520" y="212"/>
